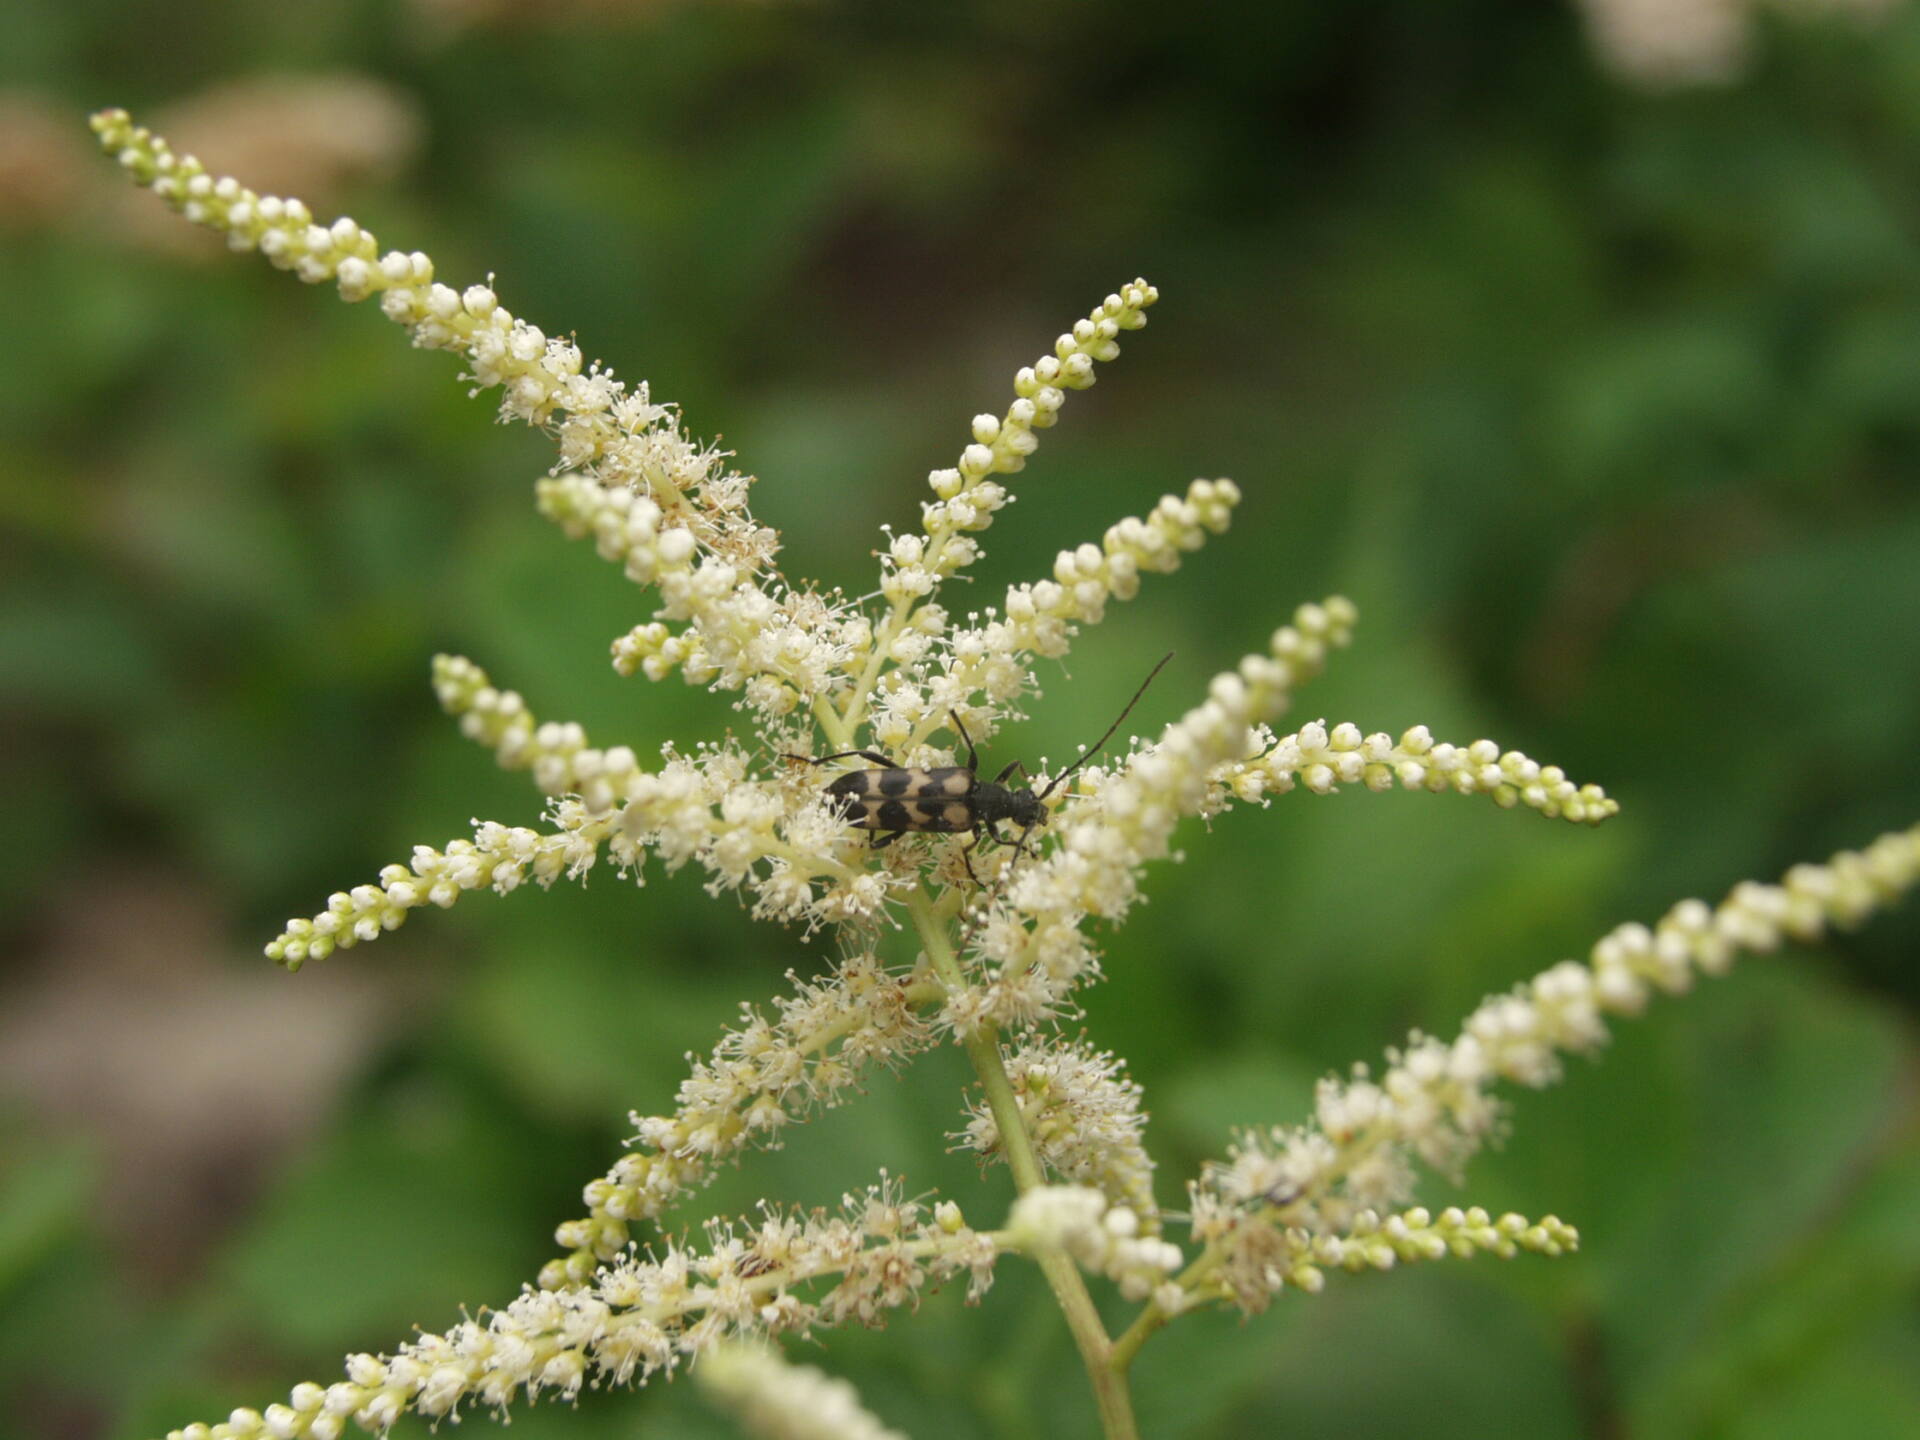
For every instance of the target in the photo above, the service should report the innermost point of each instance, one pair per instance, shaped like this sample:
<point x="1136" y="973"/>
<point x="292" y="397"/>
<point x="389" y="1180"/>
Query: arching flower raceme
<point x="1001" y="938"/>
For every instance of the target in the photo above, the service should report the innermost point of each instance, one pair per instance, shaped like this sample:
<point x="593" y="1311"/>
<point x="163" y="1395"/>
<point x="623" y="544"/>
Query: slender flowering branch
<point x="499" y="857"/>
<point x="763" y="1076"/>
<point x="966" y="497"/>
<point x="1354" y="1157"/>
<point x="779" y="645"/>
<point x="1272" y="1255"/>
<point x="1033" y="939"/>
<point x="1322" y="760"/>
<point x="1038" y="618"/>
<point x="558" y="754"/>
<point x="594" y="417"/>
<point x="1433" y="1102"/>
<point x="649" y="1314"/>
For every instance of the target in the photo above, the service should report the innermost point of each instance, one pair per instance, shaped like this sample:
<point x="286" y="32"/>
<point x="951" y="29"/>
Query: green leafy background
<point x="1604" y="405"/>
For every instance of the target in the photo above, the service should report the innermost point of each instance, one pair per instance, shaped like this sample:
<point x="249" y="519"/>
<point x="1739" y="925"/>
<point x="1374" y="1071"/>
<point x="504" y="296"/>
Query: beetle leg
<point x="1012" y="766"/>
<point x="884" y="838"/>
<point x="884" y="762"/>
<point x="966" y="858"/>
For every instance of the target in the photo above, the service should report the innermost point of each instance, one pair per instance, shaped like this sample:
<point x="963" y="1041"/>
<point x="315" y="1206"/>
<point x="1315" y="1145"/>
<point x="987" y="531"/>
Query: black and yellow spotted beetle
<point x="898" y="800"/>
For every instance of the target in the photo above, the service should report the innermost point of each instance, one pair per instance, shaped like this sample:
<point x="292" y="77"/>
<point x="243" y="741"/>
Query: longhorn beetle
<point x="901" y="800"/>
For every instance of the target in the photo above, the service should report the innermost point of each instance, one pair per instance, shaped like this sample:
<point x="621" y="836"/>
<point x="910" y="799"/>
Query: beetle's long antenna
<point x="1020" y="845"/>
<point x="1088" y="754"/>
<point x="973" y="751"/>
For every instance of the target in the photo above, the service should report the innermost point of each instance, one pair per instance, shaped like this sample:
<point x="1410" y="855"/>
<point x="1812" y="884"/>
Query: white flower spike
<point x="1001" y="939"/>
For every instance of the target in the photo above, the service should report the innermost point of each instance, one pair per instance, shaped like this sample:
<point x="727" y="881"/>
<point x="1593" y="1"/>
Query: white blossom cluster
<point x="1322" y="760"/>
<point x="782" y="647"/>
<point x="1003" y="934"/>
<point x="648" y="1315"/>
<point x="764" y="1075"/>
<point x="777" y="1400"/>
<point x="1100" y="1236"/>
<point x="1433" y="1101"/>
<point x="1674" y="44"/>
<point x="1084" y="1117"/>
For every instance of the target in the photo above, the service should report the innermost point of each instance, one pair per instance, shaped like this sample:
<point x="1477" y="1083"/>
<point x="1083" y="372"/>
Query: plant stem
<point x="982" y="1045"/>
<point x="1152" y="1318"/>
<point x="831" y="726"/>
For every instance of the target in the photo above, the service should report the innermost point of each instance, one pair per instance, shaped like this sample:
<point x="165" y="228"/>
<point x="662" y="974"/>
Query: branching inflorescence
<point x="1003" y="943"/>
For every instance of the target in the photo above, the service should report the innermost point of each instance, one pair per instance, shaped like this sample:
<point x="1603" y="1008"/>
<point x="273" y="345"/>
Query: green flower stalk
<point x="1003" y="939"/>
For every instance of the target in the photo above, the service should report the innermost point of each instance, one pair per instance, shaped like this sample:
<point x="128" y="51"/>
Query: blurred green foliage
<point x="1604" y="406"/>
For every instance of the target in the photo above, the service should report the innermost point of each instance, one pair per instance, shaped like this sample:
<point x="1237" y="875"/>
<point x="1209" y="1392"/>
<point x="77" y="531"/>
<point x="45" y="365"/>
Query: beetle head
<point x="1026" y="809"/>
